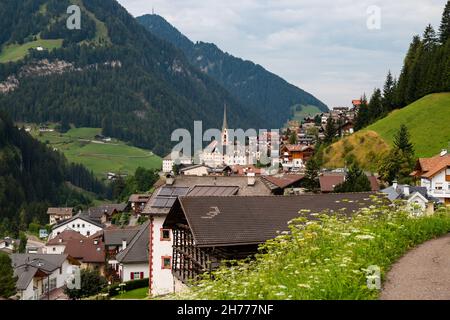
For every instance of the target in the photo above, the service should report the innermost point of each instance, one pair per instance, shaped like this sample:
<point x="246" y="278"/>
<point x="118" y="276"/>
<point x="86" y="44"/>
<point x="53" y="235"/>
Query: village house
<point x="104" y="213"/>
<point x="329" y="180"/>
<point x="137" y="202"/>
<point x="42" y="276"/>
<point x="116" y="240"/>
<point x="294" y="157"/>
<point x="80" y="223"/>
<point x="170" y="161"/>
<point x="434" y="175"/>
<point x="88" y="251"/>
<point x="161" y="239"/>
<point x="8" y="245"/>
<point x="59" y="214"/>
<point x="133" y="260"/>
<point x="195" y="170"/>
<point x="208" y="230"/>
<point x="284" y="184"/>
<point x="417" y="198"/>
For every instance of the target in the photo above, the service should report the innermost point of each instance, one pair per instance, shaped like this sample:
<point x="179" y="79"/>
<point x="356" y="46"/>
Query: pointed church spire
<point x="225" y="123"/>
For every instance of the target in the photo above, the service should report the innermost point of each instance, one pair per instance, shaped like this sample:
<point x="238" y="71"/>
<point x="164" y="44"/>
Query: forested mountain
<point x="111" y="74"/>
<point x="426" y="70"/>
<point x="33" y="177"/>
<point x="262" y="91"/>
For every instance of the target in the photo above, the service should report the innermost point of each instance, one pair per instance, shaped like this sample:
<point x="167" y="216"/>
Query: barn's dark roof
<point x="219" y="191"/>
<point x="137" y="250"/>
<point x="225" y="221"/>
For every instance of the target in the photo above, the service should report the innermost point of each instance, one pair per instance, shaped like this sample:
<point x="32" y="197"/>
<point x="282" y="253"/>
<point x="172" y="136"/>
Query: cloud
<point x="322" y="46"/>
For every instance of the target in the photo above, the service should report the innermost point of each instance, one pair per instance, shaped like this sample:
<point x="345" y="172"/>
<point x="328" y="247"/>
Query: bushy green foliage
<point x="7" y="279"/>
<point x="324" y="259"/>
<point x="355" y="181"/>
<point x="91" y="284"/>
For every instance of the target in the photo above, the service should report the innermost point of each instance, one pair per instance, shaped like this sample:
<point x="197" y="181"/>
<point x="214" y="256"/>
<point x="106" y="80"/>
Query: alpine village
<point x="90" y="186"/>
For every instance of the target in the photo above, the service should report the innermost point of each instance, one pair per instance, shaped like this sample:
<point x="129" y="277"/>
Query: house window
<point x="136" y="275"/>
<point x="88" y="233"/>
<point x="82" y="225"/>
<point x="165" y="235"/>
<point x="78" y="225"/>
<point x="54" y="249"/>
<point x="166" y="263"/>
<point x="73" y="226"/>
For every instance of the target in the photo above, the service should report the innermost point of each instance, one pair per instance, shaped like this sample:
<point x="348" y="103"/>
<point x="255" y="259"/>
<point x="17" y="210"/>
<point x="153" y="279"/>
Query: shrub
<point x="324" y="259"/>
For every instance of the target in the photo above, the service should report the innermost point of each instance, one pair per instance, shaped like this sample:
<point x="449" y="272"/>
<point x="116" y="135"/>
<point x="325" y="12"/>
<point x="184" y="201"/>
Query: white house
<point x="41" y="274"/>
<point x="196" y="170"/>
<point x="134" y="259"/>
<point x="434" y="174"/>
<point x="80" y="223"/>
<point x="169" y="161"/>
<point x="417" y="199"/>
<point x="161" y="240"/>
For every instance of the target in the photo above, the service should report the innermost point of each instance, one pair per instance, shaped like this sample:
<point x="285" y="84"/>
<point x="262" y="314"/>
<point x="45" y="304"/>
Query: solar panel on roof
<point x="160" y="202"/>
<point x="170" y="202"/>
<point x="165" y="191"/>
<point x="180" y="191"/>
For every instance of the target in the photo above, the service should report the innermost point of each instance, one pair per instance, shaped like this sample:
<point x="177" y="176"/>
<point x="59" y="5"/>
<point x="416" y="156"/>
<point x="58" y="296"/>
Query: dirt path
<point x="422" y="274"/>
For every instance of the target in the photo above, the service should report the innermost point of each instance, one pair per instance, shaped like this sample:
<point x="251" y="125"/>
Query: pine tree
<point x="402" y="140"/>
<point x="375" y="106"/>
<point x="404" y="82"/>
<point x="293" y="139"/>
<point x="330" y="131"/>
<point x="362" y="115"/>
<point x="430" y="39"/>
<point x="312" y="175"/>
<point x="444" y="29"/>
<point x="388" y="93"/>
<point x="355" y="181"/>
<point x="7" y="279"/>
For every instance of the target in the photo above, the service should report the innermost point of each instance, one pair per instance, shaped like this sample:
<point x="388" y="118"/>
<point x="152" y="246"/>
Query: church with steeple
<point x="214" y="155"/>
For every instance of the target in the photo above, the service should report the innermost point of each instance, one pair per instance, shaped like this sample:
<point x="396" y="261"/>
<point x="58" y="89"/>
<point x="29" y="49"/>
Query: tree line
<point x="426" y="69"/>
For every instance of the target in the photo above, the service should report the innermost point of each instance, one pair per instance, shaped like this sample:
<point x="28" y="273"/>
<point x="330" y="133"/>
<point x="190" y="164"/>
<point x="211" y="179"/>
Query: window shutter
<point x="132" y="275"/>
<point x="142" y="275"/>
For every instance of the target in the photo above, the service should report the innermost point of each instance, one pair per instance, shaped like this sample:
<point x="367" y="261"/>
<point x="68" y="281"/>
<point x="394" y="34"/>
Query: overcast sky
<point x="322" y="46"/>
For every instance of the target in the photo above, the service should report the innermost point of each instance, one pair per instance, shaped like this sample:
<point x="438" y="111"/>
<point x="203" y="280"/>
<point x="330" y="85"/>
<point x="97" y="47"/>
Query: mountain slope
<point x="262" y="91"/>
<point x="111" y="74"/>
<point x="428" y="123"/>
<point x="32" y="177"/>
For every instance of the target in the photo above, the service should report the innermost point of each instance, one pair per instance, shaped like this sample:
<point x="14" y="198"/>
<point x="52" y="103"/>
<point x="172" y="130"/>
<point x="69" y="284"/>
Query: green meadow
<point x="79" y="146"/>
<point x="15" y="52"/>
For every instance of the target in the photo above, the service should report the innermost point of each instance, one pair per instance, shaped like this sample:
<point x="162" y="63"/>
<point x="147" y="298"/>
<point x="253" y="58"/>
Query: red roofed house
<point x="294" y="156"/>
<point x="434" y="174"/>
<point x="88" y="251"/>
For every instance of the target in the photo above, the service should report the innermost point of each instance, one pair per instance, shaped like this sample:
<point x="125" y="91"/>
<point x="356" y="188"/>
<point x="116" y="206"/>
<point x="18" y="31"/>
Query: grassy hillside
<point x="79" y="146"/>
<point x="15" y="52"/>
<point x="367" y="147"/>
<point x="428" y="121"/>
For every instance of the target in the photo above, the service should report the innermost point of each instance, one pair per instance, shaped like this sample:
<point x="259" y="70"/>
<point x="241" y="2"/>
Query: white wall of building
<point x="437" y="186"/>
<point x="162" y="279"/>
<point x="125" y="270"/>
<point x="79" y="225"/>
<point x="54" y="249"/>
<point x="167" y="166"/>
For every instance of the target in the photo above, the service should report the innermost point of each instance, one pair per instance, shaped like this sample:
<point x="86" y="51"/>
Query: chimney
<point x="395" y="184"/>
<point x="406" y="191"/>
<point x="251" y="179"/>
<point x="444" y="152"/>
<point x="124" y="244"/>
<point x="170" y="180"/>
